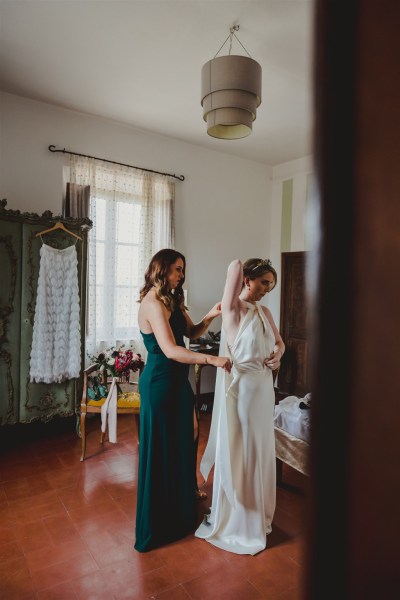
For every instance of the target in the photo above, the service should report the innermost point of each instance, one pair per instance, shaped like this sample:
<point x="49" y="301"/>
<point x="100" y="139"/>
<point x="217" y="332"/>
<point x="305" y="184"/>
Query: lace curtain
<point x="133" y="217"/>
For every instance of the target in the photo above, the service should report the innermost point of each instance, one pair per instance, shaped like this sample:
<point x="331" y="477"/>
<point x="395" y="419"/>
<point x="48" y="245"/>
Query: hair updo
<point x="257" y="267"/>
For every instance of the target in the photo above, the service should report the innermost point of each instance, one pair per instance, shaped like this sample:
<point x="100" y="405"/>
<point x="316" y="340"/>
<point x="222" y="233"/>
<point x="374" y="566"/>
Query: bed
<point x="292" y="433"/>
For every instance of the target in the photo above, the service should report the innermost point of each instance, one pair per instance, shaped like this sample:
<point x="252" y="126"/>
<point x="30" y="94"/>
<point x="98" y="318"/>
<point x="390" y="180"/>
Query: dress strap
<point x="257" y="310"/>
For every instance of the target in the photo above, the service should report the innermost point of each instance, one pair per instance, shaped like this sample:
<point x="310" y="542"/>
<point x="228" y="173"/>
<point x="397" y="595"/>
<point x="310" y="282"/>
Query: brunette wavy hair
<point x="256" y="267"/>
<point x="156" y="277"/>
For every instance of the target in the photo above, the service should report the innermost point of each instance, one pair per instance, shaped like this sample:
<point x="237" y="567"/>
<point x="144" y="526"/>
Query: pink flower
<point x="119" y="362"/>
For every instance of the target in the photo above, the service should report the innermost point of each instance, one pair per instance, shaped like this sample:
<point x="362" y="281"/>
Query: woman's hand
<point x="214" y="312"/>
<point x="220" y="361"/>
<point x="273" y="360"/>
<point x="195" y="331"/>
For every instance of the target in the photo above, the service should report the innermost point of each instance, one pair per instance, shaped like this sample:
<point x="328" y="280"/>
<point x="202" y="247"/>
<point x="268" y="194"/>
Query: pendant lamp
<point x="230" y="93"/>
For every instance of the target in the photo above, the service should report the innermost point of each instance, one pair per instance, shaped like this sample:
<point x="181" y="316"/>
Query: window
<point x="117" y="268"/>
<point x="132" y="214"/>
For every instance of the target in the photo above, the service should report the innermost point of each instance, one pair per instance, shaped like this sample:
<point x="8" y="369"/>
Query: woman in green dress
<point x="166" y="498"/>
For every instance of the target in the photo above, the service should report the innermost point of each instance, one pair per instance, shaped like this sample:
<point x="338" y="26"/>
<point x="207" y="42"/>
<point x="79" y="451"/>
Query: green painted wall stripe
<point x="307" y="208"/>
<point x="286" y="223"/>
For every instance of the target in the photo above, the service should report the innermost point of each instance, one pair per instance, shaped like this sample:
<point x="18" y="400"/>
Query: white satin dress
<point x="242" y="443"/>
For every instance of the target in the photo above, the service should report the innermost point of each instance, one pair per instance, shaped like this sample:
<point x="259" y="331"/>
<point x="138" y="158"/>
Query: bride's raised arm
<point x="230" y="300"/>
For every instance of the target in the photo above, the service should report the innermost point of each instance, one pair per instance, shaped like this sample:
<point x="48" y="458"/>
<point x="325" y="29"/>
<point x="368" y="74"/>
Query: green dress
<point x="166" y="502"/>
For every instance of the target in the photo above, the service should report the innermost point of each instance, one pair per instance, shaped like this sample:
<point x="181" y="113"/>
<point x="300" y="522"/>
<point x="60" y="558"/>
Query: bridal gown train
<point x="242" y="443"/>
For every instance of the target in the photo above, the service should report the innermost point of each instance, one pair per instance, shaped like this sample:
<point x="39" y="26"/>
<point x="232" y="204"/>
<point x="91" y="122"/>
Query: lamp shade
<point x="230" y="95"/>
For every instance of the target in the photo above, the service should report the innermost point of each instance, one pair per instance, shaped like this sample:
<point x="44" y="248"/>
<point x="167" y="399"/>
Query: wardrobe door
<point x="39" y="401"/>
<point x="10" y="320"/>
<point x="293" y="375"/>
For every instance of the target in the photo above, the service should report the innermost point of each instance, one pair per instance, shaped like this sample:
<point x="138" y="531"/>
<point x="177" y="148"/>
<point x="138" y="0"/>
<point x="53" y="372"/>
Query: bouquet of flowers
<point x="118" y="361"/>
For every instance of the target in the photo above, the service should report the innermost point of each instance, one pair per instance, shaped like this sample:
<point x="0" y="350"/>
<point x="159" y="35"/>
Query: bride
<point x="241" y="442"/>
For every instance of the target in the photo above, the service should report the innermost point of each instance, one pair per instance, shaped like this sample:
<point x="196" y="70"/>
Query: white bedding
<point x="292" y="433"/>
<point x="293" y="419"/>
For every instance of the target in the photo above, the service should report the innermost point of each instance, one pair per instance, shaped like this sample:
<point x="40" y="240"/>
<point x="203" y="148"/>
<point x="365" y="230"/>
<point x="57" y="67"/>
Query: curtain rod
<point x="52" y="148"/>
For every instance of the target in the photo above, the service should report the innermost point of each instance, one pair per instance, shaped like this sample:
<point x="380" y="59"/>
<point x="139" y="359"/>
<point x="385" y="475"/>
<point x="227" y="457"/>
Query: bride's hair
<point x="256" y="267"/>
<point x="156" y="277"/>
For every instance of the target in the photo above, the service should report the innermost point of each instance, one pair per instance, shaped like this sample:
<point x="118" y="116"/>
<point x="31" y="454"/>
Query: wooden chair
<point x="128" y="401"/>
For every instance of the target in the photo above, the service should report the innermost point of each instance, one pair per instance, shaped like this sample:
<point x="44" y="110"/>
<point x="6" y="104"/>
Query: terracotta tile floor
<point x="67" y="529"/>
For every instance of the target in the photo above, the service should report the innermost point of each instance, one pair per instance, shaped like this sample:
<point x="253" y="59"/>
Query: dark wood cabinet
<point x="293" y="375"/>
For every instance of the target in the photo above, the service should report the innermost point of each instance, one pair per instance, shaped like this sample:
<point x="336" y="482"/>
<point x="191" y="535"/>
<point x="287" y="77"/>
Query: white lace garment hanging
<point x="56" y="342"/>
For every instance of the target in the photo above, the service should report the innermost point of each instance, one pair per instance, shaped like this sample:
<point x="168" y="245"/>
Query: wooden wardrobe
<point x="20" y="400"/>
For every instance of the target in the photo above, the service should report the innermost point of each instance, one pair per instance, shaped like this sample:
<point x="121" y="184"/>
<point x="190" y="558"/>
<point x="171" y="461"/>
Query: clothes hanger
<point x="58" y="225"/>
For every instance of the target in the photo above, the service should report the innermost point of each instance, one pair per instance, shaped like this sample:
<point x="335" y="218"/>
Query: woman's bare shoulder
<point x="269" y="316"/>
<point x="266" y="311"/>
<point x="149" y="297"/>
<point x="152" y="303"/>
<point x="151" y="311"/>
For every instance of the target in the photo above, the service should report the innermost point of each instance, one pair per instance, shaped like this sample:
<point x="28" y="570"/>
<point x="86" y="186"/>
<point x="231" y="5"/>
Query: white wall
<point x="227" y="207"/>
<point x="300" y="172"/>
<point x="223" y="208"/>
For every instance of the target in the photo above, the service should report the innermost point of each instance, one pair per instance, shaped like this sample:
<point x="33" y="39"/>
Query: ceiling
<point x="139" y="63"/>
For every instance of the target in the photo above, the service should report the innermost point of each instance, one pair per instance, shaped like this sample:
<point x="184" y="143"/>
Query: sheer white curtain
<point x="133" y="217"/>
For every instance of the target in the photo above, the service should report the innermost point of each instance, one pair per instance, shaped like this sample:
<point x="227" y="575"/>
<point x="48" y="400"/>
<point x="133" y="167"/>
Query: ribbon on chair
<point x="109" y="410"/>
